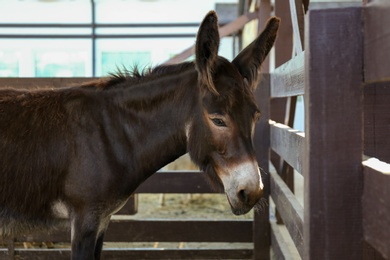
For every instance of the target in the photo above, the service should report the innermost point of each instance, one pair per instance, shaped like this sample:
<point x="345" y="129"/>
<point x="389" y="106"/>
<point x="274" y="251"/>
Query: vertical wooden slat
<point x="261" y="232"/>
<point x="285" y="170"/>
<point x="264" y="13"/>
<point x="333" y="108"/>
<point x="284" y="42"/>
<point x="297" y="20"/>
<point x="283" y="51"/>
<point x="306" y="4"/>
<point x="377" y="40"/>
<point x="297" y="24"/>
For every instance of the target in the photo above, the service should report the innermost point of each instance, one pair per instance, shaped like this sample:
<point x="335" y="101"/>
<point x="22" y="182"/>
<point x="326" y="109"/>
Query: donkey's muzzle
<point x="243" y="187"/>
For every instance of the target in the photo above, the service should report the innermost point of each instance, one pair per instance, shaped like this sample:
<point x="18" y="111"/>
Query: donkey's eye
<point x="218" y="122"/>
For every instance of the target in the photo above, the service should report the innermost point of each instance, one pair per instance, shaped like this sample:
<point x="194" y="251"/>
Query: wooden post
<point x="284" y="41"/>
<point x="297" y="20"/>
<point x="261" y="230"/>
<point x="333" y="108"/>
<point x="283" y="51"/>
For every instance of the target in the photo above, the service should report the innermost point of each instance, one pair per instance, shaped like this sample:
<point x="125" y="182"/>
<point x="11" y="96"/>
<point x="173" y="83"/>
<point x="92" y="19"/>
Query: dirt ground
<point x="186" y="206"/>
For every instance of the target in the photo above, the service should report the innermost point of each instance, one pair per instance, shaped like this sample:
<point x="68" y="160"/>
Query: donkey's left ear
<point x="248" y="61"/>
<point x="206" y="52"/>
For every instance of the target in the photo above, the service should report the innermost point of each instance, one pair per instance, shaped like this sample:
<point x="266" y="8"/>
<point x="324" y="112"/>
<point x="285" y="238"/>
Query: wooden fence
<point x="343" y="74"/>
<point x="344" y="77"/>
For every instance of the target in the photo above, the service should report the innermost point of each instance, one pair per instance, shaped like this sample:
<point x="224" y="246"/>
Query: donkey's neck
<point x="156" y="116"/>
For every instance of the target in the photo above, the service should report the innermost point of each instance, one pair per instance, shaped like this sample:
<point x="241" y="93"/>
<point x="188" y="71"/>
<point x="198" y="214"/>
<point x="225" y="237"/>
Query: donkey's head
<point x="221" y="136"/>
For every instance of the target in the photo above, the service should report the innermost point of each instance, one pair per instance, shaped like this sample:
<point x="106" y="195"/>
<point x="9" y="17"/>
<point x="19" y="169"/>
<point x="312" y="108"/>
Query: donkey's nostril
<point x="243" y="196"/>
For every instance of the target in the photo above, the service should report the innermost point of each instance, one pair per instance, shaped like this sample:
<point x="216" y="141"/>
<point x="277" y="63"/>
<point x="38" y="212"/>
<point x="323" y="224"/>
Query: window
<point x="9" y="63"/>
<point x="60" y="63"/>
<point x="45" y="58"/>
<point x="64" y="39"/>
<point x="113" y="61"/>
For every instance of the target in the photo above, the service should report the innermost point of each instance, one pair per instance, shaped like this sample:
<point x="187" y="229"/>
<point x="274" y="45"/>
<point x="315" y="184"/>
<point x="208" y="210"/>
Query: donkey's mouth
<point x="240" y="210"/>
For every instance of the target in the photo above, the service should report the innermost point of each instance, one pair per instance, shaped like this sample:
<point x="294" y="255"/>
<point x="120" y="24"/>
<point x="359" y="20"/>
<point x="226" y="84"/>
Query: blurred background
<point x="90" y="38"/>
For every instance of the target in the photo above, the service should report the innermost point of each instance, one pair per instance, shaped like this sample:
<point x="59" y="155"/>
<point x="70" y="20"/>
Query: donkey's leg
<point x="99" y="246"/>
<point x="85" y="231"/>
<point x="100" y="239"/>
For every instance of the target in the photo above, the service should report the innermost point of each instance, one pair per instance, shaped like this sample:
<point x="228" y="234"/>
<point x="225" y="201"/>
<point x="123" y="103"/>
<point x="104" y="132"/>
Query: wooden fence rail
<point x="126" y="229"/>
<point x="289" y="208"/>
<point x="292" y="153"/>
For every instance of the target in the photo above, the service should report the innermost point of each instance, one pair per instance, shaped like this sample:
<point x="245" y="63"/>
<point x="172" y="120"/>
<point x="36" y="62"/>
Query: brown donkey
<point x="76" y="154"/>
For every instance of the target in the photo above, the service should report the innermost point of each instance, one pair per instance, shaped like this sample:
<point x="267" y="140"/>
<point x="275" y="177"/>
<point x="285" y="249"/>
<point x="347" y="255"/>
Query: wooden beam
<point x="376" y="205"/>
<point x="176" y="182"/>
<point x="264" y="13"/>
<point x="333" y="132"/>
<point x="289" y="79"/>
<point x="288" y="143"/>
<point x="172" y="230"/>
<point x="284" y="41"/>
<point x="289" y="209"/>
<point x="138" y="253"/>
<point x="126" y="229"/>
<point x="297" y="20"/>
<point x="280" y="245"/>
<point x="261" y="225"/>
<point x="306" y="4"/>
<point x="283" y="51"/>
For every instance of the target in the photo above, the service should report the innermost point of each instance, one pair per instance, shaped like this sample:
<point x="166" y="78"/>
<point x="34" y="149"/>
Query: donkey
<point x="77" y="154"/>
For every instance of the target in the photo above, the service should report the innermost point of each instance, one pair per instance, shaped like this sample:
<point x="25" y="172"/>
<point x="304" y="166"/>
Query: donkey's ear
<point x="206" y="52"/>
<point x="248" y="61"/>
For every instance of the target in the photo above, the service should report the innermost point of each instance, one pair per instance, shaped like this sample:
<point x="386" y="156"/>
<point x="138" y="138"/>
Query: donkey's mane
<point x="136" y="75"/>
